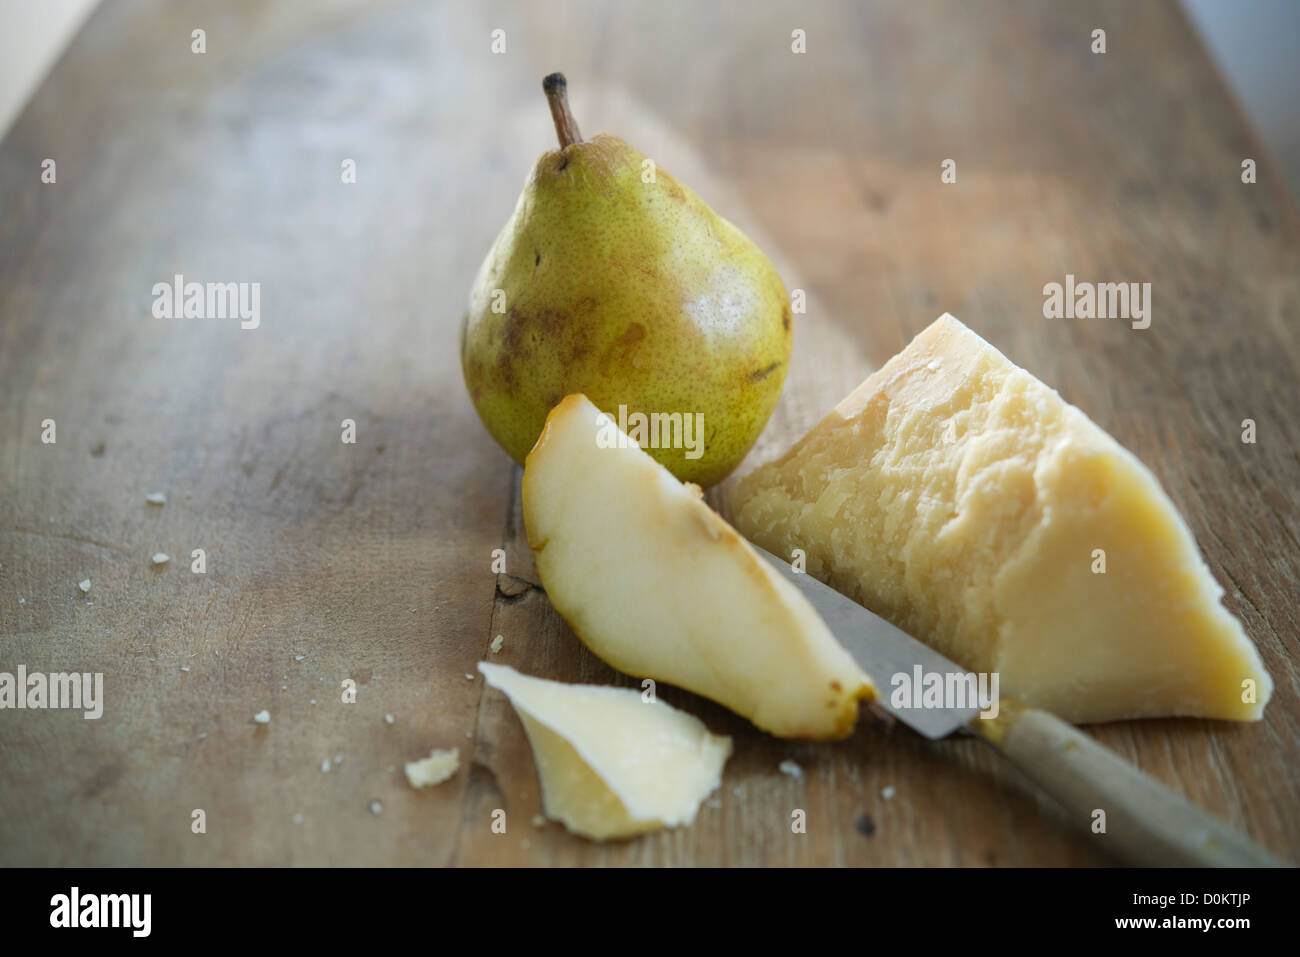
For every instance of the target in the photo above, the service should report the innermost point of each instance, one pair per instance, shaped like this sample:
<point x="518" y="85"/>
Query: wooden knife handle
<point x="1146" y="823"/>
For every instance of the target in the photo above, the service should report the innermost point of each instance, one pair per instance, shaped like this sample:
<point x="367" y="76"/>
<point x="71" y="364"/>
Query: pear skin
<point x="613" y="279"/>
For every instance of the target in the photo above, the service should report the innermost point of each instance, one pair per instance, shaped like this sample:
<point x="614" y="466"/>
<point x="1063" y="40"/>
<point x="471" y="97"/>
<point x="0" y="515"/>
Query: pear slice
<point x="611" y="763"/>
<point x="961" y="498"/>
<point x="657" y="585"/>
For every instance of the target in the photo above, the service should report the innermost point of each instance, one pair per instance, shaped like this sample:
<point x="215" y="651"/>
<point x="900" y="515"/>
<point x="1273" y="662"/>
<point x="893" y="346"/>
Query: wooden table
<point x="371" y="561"/>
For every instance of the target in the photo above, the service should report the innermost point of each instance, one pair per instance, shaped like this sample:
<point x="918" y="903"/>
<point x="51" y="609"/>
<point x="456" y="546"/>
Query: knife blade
<point x="1142" y="821"/>
<point x="883" y="651"/>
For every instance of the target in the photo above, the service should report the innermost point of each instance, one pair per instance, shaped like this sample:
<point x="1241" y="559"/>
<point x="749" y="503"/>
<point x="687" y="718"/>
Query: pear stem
<point x="557" y="95"/>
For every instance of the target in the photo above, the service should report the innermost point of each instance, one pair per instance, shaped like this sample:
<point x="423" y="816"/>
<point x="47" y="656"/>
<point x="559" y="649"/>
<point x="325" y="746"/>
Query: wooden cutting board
<point x="372" y="562"/>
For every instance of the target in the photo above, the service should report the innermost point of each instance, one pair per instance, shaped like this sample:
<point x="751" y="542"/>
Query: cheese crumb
<point x="497" y="642"/>
<point x="297" y="818"/>
<point x="325" y="766"/>
<point x="338" y="759"/>
<point x="375" y="807"/>
<point x="84" y="585"/>
<point x="299" y="657"/>
<point x="161" y="558"/>
<point x="436" y="768"/>
<point x="887" y="793"/>
<point x="388" y="719"/>
<point x="185" y="667"/>
<point x="156" y="498"/>
<point x="470" y="677"/>
<point x="262" y="717"/>
<point x="790" y="768"/>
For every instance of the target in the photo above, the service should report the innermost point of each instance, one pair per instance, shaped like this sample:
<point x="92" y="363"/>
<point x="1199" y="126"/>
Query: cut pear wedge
<point x="613" y="764"/>
<point x="658" y="586"/>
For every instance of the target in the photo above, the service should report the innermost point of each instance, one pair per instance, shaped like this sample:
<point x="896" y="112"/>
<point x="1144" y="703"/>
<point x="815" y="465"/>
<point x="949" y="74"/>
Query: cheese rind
<point x="659" y="586"/>
<point x="613" y="764"/>
<point x="961" y="498"/>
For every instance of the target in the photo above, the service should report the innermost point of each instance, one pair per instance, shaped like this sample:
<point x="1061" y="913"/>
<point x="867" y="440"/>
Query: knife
<point x="1146" y="824"/>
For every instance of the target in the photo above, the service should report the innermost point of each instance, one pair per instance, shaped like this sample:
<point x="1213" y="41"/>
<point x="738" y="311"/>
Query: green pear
<point x="613" y="279"/>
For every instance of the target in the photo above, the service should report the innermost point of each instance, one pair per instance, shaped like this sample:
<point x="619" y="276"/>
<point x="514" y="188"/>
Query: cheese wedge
<point x="657" y="585"/>
<point x="611" y="763"/>
<point x="964" y="500"/>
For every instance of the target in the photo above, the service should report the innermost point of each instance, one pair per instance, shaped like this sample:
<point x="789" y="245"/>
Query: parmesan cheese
<point x="967" y="502"/>
<point x="436" y="768"/>
<point x="611" y="763"/>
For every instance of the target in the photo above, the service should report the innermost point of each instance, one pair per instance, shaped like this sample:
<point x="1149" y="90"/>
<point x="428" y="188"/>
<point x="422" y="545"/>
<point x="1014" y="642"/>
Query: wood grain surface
<point x="372" y="561"/>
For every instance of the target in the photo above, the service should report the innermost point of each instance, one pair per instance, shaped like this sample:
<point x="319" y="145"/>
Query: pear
<point x="613" y="279"/>
<point x="658" y="586"/>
